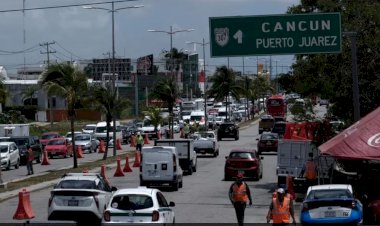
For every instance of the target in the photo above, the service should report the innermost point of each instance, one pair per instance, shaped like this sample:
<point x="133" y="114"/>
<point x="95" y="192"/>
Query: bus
<point x="276" y="107"/>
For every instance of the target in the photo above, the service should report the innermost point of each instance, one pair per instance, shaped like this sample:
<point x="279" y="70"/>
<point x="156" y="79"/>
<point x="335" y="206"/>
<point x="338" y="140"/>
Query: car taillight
<point x="96" y="201"/>
<point x="305" y="207"/>
<point x="107" y="215"/>
<point x="155" y="215"/>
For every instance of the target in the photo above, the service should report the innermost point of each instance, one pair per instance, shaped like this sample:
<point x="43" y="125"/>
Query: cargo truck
<point x="186" y="154"/>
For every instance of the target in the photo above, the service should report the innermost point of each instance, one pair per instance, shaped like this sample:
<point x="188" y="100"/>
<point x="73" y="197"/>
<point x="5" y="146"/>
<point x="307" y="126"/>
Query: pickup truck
<point x="22" y="141"/>
<point x="206" y="143"/>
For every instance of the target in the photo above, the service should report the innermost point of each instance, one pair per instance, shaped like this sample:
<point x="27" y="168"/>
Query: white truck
<point x="291" y="158"/>
<point x="11" y="130"/>
<point x="186" y="154"/>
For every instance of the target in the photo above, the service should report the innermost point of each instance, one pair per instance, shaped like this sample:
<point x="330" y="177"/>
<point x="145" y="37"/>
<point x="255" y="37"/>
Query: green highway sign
<point x="275" y="34"/>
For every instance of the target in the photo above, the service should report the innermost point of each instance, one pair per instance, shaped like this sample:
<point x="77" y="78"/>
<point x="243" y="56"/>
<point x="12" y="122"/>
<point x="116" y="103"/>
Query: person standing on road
<point x="139" y="141"/>
<point x="281" y="209"/>
<point x="310" y="172"/>
<point x="239" y="195"/>
<point x="29" y="159"/>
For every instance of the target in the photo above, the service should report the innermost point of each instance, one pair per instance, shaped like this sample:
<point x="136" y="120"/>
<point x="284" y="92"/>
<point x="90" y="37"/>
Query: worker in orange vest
<point x="287" y="194"/>
<point x="239" y="195"/>
<point x="281" y="209"/>
<point x="310" y="172"/>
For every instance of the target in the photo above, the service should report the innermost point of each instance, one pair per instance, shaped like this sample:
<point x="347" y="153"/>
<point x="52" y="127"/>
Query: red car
<point x="59" y="146"/>
<point x="244" y="161"/>
<point x="267" y="142"/>
<point x="47" y="136"/>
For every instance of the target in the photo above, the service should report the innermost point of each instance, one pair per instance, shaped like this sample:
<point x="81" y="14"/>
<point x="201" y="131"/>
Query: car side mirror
<point x="171" y="204"/>
<point x="113" y="188"/>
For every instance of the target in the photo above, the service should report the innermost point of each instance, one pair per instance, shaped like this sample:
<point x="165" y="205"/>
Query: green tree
<point x="69" y="82"/>
<point x="29" y="93"/>
<point x="224" y="85"/>
<point x="330" y="75"/>
<point x="260" y="87"/>
<point x="166" y="90"/>
<point x="174" y="59"/>
<point x="154" y="115"/>
<point x="105" y="98"/>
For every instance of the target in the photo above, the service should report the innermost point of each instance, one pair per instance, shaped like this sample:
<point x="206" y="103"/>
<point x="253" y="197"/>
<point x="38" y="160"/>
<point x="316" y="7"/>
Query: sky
<point x="80" y="34"/>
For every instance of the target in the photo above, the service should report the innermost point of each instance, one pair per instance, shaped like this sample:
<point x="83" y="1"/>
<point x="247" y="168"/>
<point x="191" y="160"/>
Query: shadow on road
<point x="268" y="186"/>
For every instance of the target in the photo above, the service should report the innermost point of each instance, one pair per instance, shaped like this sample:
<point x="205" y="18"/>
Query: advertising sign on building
<point x="145" y="65"/>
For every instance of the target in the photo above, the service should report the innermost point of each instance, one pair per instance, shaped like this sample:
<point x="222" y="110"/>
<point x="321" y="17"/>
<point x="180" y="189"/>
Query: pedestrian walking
<point x="29" y="160"/>
<point x="139" y="141"/>
<point x="186" y="130"/>
<point x="281" y="209"/>
<point x="239" y="195"/>
<point x="310" y="171"/>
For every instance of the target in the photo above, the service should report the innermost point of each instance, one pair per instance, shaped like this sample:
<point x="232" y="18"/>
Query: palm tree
<point x="260" y="87"/>
<point x="174" y="59"/>
<point x="105" y="98"/>
<point x="69" y="82"/>
<point x="155" y="117"/>
<point x="225" y="85"/>
<point x="29" y="93"/>
<point x="166" y="90"/>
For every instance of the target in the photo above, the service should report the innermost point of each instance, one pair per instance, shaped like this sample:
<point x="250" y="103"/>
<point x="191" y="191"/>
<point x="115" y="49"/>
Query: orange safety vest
<point x="239" y="193"/>
<point x="30" y="155"/>
<point x="310" y="170"/>
<point x="281" y="213"/>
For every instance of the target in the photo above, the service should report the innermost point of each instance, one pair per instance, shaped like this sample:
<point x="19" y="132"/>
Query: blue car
<point x="332" y="203"/>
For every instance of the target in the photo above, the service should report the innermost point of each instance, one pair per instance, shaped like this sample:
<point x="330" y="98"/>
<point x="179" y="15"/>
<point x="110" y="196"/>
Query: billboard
<point x="145" y="65"/>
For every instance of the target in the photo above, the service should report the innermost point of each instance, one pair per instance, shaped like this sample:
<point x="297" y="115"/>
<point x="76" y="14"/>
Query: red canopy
<point x="358" y="142"/>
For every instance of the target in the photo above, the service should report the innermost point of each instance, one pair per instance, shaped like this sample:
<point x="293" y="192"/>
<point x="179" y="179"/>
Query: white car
<point x="68" y="135"/>
<point x="206" y="143"/>
<point x="87" y="142"/>
<point x="10" y="155"/>
<point x="138" y="205"/>
<point x="80" y="197"/>
<point x="89" y="128"/>
<point x="219" y="120"/>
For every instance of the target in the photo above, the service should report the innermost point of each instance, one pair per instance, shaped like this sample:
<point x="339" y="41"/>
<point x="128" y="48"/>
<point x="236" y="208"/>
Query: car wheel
<point x="215" y="153"/>
<point x="180" y="184"/>
<point x="175" y="186"/>
<point x="190" y="170"/>
<point x="17" y="164"/>
<point x="226" y="177"/>
<point x="8" y="166"/>
<point x="65" y="155"/>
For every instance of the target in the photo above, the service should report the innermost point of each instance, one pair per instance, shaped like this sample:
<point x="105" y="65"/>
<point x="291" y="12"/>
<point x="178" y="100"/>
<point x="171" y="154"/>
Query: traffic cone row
<point x="102" y="147"/>
<point x="133" y="141"/>
<point x="127" y="168"/>
<point x="24" y="208"/>
<point x="79" y="152"/>
<point x="118" y="144"/>
<point x="146" y="139"/>
<point x="45" y="160"/>
<point x="118" y="172"/>
<point x="137" y="162"/>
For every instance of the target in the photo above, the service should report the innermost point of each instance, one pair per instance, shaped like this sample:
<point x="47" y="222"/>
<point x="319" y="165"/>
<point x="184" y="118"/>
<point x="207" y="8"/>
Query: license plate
<point x="269" y="143"/>
<point x="73" y="203"/>
<point x="330" y="214"/>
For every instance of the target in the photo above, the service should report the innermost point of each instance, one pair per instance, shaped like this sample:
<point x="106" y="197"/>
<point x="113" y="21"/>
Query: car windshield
<point x="196" y="117"/>
<point x="3" y="148"/>
<point x="206" y="135"/>
<point x="267" y="120"/>
<point x="270" y="136"/>
<point x="76" y="184"/>
<point x="330" y="194"/>
<point x="90" y="127"/>
<point x="240" y="155"/>
<point x="20" y="141"/>
<point x="132" y="202"/>
<point x="223" y="126"/>
<point x="82" y="137"/>
<point x="186" y="113"/>
<point x="56" y="142"/>
<point x="48" y="136"/>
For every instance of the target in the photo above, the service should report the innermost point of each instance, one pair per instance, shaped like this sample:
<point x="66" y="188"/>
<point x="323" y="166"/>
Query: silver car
<point x="10" y="155"/>
<point x="87" y="142"/>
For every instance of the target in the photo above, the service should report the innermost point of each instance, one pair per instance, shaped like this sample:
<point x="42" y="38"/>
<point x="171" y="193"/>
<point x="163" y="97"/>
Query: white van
<point x="196" y="117"/>
<point x="100" y="131"/>
<point x="160" y="165"/>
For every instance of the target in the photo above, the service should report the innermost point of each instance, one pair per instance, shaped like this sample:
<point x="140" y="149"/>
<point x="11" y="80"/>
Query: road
<point x="204" y="196"/>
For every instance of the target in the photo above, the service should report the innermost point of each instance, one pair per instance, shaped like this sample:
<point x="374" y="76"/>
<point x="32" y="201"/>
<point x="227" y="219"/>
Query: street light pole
<point x="113" y="10"/>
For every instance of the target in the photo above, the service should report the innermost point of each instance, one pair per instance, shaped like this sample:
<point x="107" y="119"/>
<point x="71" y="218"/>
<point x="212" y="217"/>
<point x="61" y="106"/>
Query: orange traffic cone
<point x="45" y="160"/>
<point x="79" y="152"/>
<point x="289" y="185"/>
<point x="146" y="139"/>
<point x="133" y="141"/>
<point x="103" y="172"/>
<point x="137" y="162"/>
<point x="102" y="147"/>
<point x="118" y="172"/>
<point x="24" y="209"/>
<point x="127" y="168"/>
<point x="118" y="145"/>
<point x="158" y="135"/>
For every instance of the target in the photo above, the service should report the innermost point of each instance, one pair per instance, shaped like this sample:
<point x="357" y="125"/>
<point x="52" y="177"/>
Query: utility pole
<point x="47" y="44"/>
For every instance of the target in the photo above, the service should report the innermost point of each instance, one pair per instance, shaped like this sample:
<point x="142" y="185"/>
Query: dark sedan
<point x="228" y="130"/>
<point x="243" y="161"/>
<point x="268" y="142"/>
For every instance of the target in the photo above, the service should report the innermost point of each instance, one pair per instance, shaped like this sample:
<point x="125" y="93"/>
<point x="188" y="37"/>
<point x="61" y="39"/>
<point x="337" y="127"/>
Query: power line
<point x="28" y="50"/>
<point x="62" y="6"/>
<point x="71" y="53"/>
